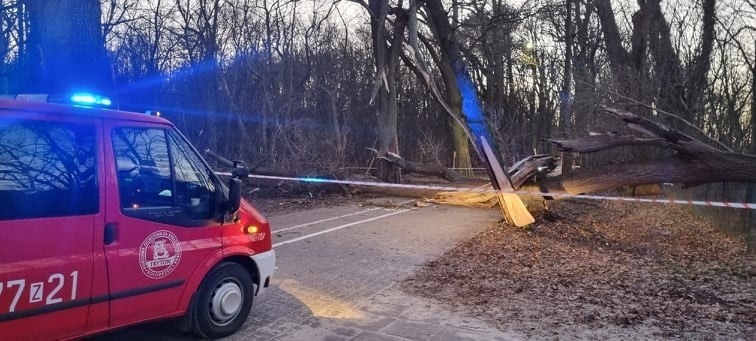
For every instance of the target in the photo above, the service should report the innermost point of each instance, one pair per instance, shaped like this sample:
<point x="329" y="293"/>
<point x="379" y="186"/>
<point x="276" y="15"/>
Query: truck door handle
<point x="110" y="233"/>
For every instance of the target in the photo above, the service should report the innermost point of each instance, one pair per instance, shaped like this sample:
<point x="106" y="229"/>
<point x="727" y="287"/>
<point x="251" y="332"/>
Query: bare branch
<point x="596" y="143"/>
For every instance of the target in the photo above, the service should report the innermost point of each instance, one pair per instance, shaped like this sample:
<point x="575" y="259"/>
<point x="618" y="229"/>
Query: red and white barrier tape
<point x="480" y="190"/>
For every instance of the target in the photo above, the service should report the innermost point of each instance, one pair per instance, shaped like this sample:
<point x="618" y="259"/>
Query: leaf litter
<point x="605" y="270"/>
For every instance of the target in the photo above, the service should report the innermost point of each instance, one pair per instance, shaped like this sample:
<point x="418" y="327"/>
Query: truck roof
<point x="75" y="110"/>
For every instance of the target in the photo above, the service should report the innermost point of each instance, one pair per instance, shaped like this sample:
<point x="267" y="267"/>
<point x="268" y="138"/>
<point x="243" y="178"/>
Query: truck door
<point x="161" y="220"/>
<point x="50" y="193"/>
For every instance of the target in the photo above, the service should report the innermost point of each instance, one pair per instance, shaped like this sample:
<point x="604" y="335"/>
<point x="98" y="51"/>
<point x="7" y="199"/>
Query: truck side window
<point x="195" y="190"/>
<point x="161" y="178"/>
<point x="47" y="169"/>
<point x="144" y="172"/>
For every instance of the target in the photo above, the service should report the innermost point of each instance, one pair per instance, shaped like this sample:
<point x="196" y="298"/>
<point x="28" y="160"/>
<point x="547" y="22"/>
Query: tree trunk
<point x="463" y="160"/>
<point x="565" y="95"/>
<point x="450" y="64"/>
<point x="617" y="55"/>
<point x="584" y="74"/>
<point x="4" y="49"/>
<point x="565" y="115"/>
<point x="672" y="88"/>
<point x="386" y="62"/>
<point x="65" y="48"/>
<point x="751" y="191"/>
<point x="699" y="69"/>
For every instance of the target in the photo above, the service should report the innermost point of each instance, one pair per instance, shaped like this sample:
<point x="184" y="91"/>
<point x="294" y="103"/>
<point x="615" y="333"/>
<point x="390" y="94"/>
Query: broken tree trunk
<point x="693" y="163"/>
<point x="523" y="170"/>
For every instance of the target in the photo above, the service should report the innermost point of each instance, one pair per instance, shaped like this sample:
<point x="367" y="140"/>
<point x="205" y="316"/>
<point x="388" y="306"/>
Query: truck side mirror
<point x="239" y="170"/>
<point x="234" y="196"/>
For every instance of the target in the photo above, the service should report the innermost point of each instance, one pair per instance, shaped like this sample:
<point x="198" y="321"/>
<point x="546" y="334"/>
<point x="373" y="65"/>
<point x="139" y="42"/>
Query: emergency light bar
<point x="89" y="99"/>
<point x="79" y="98"/>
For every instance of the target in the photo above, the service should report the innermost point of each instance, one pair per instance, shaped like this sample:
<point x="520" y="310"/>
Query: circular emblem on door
<point x="159" y="254"/>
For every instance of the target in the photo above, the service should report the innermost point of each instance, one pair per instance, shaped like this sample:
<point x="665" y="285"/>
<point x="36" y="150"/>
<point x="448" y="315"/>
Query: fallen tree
<point x="693" y="163"/>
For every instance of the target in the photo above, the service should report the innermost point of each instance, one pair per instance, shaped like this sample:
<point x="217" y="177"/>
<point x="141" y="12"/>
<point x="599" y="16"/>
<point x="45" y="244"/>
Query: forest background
<point x="307" y="86"/>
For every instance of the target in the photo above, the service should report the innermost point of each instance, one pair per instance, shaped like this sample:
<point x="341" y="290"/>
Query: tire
<point x="223" y="302"/>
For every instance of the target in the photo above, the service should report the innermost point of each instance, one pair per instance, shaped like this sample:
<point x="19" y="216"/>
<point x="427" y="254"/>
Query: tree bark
<point x="673" y="87"/>
<point x="386" y="62"/>
<point x="618" y="56"/>
<point x="65" y="49"/>
<point x="694" y="162"/>
<point x="704" y="169"/>
<point x="451" y="63"/>
<point x="4" y="49"/>
<point x="584" y="71"/>
<point x="751" y="191"/>
<point x="565" y="96"/>
<point x="524" y="169"/>
<point x="699" y="69"/>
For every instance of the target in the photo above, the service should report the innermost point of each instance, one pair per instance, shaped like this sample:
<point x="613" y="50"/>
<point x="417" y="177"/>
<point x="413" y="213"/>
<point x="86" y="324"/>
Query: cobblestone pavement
<point x="342" y="284"/>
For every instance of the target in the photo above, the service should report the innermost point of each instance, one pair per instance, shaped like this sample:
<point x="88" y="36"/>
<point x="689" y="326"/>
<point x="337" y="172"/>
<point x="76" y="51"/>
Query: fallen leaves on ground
<point x="636" y="270"/>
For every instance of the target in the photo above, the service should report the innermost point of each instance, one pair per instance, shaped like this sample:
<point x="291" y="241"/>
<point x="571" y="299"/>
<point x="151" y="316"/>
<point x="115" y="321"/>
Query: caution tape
<point x="744" y="205"/>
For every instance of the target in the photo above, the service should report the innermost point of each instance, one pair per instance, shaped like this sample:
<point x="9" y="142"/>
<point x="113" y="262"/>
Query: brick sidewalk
<point x="343" y="285"/>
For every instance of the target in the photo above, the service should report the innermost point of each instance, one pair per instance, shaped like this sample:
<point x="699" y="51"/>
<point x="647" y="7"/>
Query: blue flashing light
<point x="83" y="98"/>
<point x="308" y="179"/>
<point x="88" y="99"/>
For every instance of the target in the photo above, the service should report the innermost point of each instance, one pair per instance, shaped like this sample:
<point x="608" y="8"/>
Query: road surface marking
<point x="339" y="228"/>
<point x="324" y="220"/>
<point x="338" y="217"/>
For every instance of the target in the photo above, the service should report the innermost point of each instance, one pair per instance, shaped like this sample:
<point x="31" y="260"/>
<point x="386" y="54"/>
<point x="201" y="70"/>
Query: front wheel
<point x="223" y="301"/>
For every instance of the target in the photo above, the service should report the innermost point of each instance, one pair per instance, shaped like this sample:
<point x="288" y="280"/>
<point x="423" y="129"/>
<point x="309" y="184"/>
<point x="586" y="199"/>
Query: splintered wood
<point x="512" y="207"/>
<point x="470" y="199"/>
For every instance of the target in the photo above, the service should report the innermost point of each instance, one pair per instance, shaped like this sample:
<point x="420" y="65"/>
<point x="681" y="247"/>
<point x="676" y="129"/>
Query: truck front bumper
<point x="266" y="264"/>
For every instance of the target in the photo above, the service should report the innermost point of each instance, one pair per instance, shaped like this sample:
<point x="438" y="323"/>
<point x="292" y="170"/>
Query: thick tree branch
<point x="693" y="163"/>
<point x="596" y="143"/>
<point x="420" y="168"/>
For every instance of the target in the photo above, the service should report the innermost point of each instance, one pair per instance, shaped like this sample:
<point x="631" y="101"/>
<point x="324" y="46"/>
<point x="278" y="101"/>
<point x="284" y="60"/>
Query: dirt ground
<point x="601" y="270"/>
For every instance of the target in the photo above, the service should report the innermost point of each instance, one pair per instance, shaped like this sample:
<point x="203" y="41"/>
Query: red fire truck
<point x="112" y="218"/>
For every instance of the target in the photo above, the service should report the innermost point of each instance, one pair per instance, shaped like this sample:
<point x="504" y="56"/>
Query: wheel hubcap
<point x="225" y="303"/>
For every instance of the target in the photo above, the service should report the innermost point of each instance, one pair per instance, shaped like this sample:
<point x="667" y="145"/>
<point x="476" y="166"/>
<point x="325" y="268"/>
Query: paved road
<point x="338" y="273"/>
